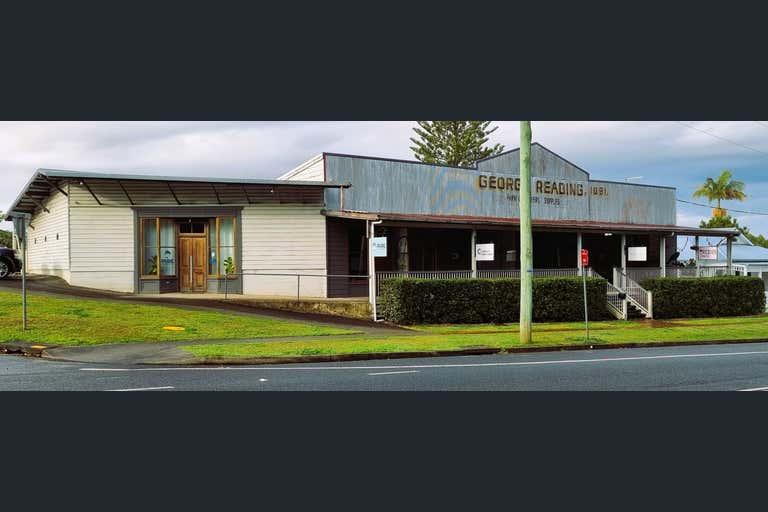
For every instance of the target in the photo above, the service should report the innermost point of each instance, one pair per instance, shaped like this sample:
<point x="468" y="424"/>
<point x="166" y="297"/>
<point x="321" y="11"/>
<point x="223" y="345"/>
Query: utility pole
<point x="526" y="236"/>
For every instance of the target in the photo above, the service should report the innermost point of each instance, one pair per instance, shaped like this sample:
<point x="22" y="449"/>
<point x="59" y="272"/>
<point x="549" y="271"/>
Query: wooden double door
<point x="193" y="262"/>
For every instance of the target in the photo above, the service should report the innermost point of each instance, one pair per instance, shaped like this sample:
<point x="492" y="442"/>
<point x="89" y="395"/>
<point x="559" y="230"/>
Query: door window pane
<point x="212" y="260"/>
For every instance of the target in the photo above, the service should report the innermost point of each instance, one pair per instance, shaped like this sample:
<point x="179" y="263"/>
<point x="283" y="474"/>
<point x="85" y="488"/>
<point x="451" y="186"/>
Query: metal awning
<point x="575" y="225"/>
<point x="44" y="181"/>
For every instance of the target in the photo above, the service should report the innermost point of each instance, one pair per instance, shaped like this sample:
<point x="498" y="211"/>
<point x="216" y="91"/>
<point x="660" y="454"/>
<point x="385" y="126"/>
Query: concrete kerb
<point x="181" y="358"/>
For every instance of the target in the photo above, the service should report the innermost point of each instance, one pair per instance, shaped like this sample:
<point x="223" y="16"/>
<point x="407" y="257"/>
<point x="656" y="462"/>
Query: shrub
<point x="706" y="296"/>
<point x="467" y="301"/>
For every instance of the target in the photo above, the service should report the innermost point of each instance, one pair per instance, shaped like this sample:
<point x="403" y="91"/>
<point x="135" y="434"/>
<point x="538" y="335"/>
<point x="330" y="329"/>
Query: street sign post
<point x="20" y="221"/>
<point x="584" y="264"/>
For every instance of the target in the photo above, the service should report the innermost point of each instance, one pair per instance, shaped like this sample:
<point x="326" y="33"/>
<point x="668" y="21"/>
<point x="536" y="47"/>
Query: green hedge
<point x="706" y="296"/>
<point x="468" y="301"/>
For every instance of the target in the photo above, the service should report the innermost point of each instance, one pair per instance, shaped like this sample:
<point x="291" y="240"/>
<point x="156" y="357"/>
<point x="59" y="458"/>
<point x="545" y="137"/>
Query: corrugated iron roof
<point x="43" y="181"/>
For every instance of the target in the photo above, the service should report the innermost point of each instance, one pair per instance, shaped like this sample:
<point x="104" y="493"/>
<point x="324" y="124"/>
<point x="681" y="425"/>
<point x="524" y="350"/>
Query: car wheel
<point x="5" y="269"/>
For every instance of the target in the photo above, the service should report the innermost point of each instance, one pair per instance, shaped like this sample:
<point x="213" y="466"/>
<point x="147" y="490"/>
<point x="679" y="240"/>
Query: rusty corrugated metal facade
<point x="561" y="190"/>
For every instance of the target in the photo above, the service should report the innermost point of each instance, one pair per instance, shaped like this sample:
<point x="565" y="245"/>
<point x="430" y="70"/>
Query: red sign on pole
<point x="584" y="257"/>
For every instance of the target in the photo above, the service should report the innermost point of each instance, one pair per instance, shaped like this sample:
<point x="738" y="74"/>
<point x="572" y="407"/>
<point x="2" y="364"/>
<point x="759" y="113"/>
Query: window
<point x="149" y="246"/>
<point x="192" y="227"/>
<point x="222" y="243"/>
<point x="158" y="247"/>
<point x="167" y="247"/>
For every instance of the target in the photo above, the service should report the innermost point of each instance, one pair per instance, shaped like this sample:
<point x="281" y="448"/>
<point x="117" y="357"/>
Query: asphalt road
<point x="710" y="367"/>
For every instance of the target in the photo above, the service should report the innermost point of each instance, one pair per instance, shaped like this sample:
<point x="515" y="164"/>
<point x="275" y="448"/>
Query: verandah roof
<point x="134" y="189"/>
<point x="537" y="223"/>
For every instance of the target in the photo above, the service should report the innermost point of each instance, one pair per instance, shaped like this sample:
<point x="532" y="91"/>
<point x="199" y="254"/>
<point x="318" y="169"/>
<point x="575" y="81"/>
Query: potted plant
<point x="152" y="265"/>
<point x="229" y="266"/>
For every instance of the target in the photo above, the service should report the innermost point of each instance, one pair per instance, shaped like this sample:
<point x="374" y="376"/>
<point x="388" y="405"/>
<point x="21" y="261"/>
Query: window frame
<point x="218" y="245"/>
<point x="143" y="246"/>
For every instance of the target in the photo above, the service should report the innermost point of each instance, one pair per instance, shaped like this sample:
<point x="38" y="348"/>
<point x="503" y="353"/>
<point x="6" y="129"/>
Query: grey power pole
<point x="526" y="235"/>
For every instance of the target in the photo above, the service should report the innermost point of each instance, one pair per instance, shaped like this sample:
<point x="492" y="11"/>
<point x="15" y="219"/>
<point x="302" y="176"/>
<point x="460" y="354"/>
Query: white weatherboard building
<point x="337" y="224"/>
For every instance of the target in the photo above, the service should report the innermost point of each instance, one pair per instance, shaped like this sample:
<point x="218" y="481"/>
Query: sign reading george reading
<point x="540" y="186"/>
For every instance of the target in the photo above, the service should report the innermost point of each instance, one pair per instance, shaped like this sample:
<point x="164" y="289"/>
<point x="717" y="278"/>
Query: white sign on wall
<point x="380" y="247"/>
<point x="637" y="254"/>
<point x="708" y="252"/>
<point x="484" y="252"/>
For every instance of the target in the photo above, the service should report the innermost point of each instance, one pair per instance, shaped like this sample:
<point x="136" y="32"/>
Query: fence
<point x="638" y="274"/>
<point x="313" y="285"/>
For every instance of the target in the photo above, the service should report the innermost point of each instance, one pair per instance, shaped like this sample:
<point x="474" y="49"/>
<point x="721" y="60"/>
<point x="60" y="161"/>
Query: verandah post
<point x="578" y="252"/>
<point x="473" y="253"/>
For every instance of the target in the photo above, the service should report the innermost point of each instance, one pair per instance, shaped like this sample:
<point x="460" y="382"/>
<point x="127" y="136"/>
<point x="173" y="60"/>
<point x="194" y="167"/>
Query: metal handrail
<point x="614" y="301"/>
<point x="636" y="294"/>
<point x="297" y="275"/>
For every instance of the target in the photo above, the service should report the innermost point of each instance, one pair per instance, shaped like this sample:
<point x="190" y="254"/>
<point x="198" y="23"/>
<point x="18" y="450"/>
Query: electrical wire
<point x="723" y="138"/>
<point x="729" y="209"/>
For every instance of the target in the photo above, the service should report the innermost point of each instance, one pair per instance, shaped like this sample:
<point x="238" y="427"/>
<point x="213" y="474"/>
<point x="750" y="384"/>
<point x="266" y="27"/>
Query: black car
<point x="9" y="263"/>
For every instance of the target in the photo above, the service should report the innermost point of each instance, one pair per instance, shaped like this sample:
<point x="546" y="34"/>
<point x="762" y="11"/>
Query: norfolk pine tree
<point x="459" y="143"/>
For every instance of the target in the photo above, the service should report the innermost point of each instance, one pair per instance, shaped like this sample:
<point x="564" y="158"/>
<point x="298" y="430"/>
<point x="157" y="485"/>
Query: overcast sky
<point x="663" y="153"/>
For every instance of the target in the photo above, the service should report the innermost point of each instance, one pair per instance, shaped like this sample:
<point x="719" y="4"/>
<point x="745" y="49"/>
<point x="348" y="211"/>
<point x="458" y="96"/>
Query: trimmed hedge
<point x="679" y="297"/>
<point x="470" y="301"/>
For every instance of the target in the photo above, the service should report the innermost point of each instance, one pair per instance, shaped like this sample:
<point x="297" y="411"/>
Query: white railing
<point x="467" y="274"/>
<point x="640" y="273"/>
<point x="636" y="294"/>
<point x="426" y="274"/>
<point x="537" y="272"/>
<point x="421" y="274"/>
<point x="616" y="305"/>
<point x="498" y="273"/>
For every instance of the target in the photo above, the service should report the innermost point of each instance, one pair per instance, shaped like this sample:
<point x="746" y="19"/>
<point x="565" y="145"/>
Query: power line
<point x="729" y="209"/>
<point x="723" y="138"/>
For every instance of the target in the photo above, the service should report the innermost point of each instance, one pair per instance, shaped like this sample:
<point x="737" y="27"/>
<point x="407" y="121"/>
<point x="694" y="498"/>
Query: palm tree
<point x="723" y="188"/>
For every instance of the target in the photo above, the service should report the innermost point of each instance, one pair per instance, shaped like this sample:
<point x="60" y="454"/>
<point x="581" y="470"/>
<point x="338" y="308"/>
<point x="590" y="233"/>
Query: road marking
<point x="142" y="389"/>
<point x="423" y="366"/>
<point x="756" y="389"/>
<point x="394" y="373"/>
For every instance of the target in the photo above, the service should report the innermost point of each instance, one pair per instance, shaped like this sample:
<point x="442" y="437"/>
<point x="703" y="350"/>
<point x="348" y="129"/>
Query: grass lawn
<point x="87" y="322"/>
<point x="502" y="336"/>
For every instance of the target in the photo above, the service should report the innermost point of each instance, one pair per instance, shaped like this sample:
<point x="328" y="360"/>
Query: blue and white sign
<point x="380" y="247"/>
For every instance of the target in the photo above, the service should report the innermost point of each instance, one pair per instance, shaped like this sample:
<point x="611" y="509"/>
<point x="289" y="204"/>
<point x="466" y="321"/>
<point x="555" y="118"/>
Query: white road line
<point x="423" y="366"/>
<point x="395" y="373"/>
<point x="756" y="389"/>
<point x="142" y="389"/>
